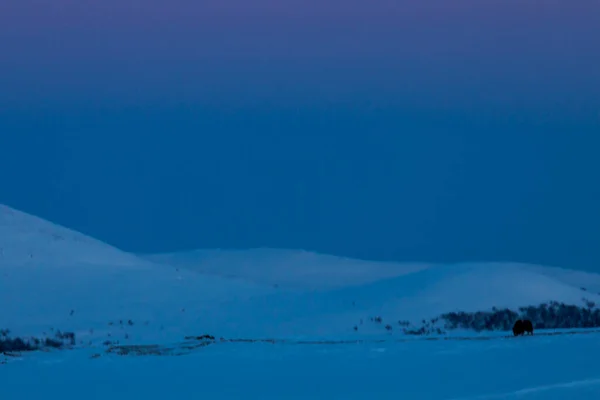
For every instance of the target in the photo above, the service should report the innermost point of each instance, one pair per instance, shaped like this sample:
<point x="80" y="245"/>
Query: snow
<point x="76" y="283"/>
<point x="421" y="295"/>
<point x="529" y="368"/>
<point x="54" y="278"/>
<point x="291" y="269"/>
<point x="29" y="240"/>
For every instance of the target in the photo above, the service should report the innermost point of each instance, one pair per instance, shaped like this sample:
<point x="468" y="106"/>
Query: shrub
<point x="15" y="344"/>
<point x="53" y="343"/>
<point x="481" y="320"/>
<point x="66" y="336"/>
<point x="18" y="344"/>
<point x="552" y="315"/>
<point x="544" y="316"/>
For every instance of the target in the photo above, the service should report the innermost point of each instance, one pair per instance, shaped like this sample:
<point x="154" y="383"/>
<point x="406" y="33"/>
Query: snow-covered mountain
<point x="54" y="278"/>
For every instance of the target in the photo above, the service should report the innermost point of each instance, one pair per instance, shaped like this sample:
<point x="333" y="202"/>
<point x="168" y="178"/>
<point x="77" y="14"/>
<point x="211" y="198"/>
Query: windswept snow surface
<point x="528" y="368"/>
<point x="29" y="240"/>
<point x="53" y="278"/>
<point x="332" y="295"/>
<point x="76" y="283"/>
<point x="295" y="269"/>
<point x="586" y="281"/>
<point x="413" y="297"/>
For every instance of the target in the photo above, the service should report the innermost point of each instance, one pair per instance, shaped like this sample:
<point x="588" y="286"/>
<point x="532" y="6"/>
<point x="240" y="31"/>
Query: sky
<point x="403" y="130"/>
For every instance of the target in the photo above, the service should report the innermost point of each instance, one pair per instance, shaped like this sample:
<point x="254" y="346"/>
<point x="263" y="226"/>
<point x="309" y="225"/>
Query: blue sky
<point x="435" y="134"/>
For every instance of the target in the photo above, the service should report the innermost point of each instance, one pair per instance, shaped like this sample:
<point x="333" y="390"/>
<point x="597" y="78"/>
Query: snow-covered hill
<point x="414" y="297"/>
<point x="29" y="240"/>
<point x="294" y="269"/>
<point x="54" y="278"/>
<point x="341" y="294"/>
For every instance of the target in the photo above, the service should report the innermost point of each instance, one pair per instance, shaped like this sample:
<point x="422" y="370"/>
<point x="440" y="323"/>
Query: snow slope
<point x="295" y="269"/>
<point x="55" y="278"/>
<point x="587" y="281"/>
<point x="29" y="240"/>
<point x="339" y="293"/>
<point x="76" y="283"/>
<point x="412" y="297"/>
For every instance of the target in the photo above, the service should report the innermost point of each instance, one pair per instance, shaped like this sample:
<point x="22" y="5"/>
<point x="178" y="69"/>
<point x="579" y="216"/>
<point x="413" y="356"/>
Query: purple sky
<point x="126" y="50"/>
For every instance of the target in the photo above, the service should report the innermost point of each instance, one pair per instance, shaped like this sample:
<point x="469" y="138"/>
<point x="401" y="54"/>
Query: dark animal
<point x="528" y="326"/>
<point x="522" y="326"/>
<point x="518" y="328"/>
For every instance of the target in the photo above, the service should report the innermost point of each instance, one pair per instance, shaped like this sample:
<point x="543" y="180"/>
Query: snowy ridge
<point x="297" y="269"/>
<point x="26" y="240"/>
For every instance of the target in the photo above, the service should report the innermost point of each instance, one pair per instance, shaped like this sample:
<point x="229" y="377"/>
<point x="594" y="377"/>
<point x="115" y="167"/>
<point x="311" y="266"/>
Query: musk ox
<point x="522" y="326"/>
<point x="528" y="326"/>
<point x="518" y="328"/>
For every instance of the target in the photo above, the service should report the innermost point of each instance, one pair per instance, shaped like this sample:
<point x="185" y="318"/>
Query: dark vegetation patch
<point x="552" y="315"/>
<point x="9" y="344"/>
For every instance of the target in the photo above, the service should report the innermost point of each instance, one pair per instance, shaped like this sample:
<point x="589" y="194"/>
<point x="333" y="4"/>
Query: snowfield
<point x="26" y="240"/>
<point x="529" y="368"/>
<point x="328" y="317"/>
<point x="289" y="269"/>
